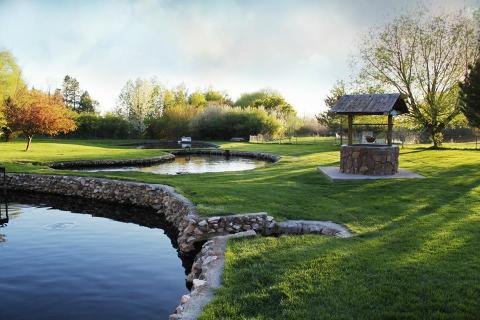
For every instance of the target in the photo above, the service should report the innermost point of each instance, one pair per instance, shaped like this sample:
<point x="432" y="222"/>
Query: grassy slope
<point x="415" y="255"/>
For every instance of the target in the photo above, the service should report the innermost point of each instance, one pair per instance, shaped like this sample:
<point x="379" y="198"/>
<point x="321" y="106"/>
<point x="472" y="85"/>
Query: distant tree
<point x="423" y="58"/>
<point x="197" y="99"/>
<point x="71" y="93"/>
<point x="33" y="112"/>
<point x="275" y="104"/>
<point x="470" y="95"/>
<point x="270" y="100"/>
<point x="87" y="104"/>
<point x="142" y="99"/>
<point x="327" y="118"/>
<point x="247" y="99"/>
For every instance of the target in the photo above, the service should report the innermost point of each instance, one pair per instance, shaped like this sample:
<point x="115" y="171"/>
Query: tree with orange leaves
<point x="32" y="112"/>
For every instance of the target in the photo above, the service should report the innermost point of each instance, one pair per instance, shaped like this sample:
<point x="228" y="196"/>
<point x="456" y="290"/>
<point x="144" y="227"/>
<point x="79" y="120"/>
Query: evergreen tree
<point x="71" y="92"/>
<point x="86" y="104"/>
<point x="470" y="95"/>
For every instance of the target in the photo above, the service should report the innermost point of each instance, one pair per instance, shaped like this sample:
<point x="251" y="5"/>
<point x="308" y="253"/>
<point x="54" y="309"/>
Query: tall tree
<point x="424" y="58"/>
<point x="71" y="93"/>
<point x="35" y="112"/>
<point x="470" y="95"/>
<point x="87" y="104"/>
<point x="328" y="118"/>
<point x="10" y="75"/>
<point x="10" y="83"/>
<point x="139" y="100"/>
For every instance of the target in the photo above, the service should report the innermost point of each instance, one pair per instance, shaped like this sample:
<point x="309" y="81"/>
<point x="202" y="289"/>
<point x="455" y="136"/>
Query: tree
<point x="10" y="82"/>
<point x="87" y="104"/>
<point x="327" y="118"/>
<point x="247" y="99"/>
<point x="10" y="75"/>
<point x="71" y="93"/>
<point x="142" y="99"/>
<point x="470" y="95"/>
<point x="270" y="100"/>
<point x="197" y="100"/>
<point x="33" y="112"/>
<point x="424" y="58"/>
<point x="275" y="104"/>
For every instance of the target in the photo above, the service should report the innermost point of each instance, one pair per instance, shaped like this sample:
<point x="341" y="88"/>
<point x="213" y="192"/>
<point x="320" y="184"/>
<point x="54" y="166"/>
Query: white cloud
<point x="297" y="47"/>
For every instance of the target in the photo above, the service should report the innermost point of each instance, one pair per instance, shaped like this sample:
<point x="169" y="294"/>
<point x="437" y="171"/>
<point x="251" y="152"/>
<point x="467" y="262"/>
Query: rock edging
<point x="110" y="163"/>
<point x="232" y="153"/>
<point x="206" y="275"/>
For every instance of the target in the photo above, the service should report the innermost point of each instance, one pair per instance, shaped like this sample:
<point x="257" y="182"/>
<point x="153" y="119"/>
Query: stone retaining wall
<point x="245" y="154"/>
<point x="111" y="163"/>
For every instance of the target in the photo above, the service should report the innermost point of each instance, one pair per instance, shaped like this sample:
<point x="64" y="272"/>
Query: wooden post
<point x="389" y="130"/>
<point x="350" y="129"/>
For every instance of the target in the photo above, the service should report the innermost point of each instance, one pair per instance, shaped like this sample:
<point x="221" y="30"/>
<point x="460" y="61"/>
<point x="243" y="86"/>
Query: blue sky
<point x="299" y="48"/>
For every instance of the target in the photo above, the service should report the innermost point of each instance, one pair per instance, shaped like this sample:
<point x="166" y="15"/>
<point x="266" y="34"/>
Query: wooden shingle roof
<point x="370" y="104"/>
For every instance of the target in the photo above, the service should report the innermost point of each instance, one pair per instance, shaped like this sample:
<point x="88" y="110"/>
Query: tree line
<point x="145" y="109"/>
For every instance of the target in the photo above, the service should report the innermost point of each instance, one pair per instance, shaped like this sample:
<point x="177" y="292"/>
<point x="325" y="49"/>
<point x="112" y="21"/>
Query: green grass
<point x="415" y="254"/>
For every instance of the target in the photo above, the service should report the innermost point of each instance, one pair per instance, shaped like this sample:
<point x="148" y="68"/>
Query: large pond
<point x="191" y="164"/>
<point x="63" y="259"/>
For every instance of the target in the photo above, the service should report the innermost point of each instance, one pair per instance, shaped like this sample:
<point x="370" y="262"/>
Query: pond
<point x="191" y="164"/>
<point x="66" y="259"/>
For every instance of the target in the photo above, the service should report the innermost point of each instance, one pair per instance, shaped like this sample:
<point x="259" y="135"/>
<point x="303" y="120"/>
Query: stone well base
<point x="377" y="160"/>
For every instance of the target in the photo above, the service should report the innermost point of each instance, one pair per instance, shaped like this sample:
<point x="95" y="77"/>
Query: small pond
<point x="69" y="259"/>
<point x="191" y="164"/>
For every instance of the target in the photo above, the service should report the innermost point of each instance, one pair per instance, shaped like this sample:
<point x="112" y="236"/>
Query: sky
<point x="299" y="48"/>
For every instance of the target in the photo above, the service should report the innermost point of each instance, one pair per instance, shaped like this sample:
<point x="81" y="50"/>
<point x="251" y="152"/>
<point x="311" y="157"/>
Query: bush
<point x="174" y="123"/>
<point x="226" y="122"/>
<point x="92" y="125"/>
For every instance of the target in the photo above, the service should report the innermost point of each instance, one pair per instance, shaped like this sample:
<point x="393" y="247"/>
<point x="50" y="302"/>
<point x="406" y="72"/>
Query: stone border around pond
<point x="111" y="163"/>
<point x="181" y="213"/>
<point x="161" y="159"/>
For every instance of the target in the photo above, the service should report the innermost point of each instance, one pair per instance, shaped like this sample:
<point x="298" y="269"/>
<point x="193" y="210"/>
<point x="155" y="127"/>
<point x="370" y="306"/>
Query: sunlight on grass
<point x="415" y="253"/>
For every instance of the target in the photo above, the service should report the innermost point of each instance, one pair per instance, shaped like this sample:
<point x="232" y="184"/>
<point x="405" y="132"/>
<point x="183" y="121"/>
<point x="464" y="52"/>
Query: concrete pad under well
<point x="334" y="174"/>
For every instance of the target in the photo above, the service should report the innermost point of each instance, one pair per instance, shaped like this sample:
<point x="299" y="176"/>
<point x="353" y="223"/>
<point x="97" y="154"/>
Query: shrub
<point x="92" y="125"/>
<point x="174" y="122"/>
<point x="222" y="122"/>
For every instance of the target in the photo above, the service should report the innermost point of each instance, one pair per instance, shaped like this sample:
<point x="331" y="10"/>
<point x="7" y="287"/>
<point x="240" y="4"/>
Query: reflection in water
<point x="192" y="164"/>
<point x="58" y="264"/>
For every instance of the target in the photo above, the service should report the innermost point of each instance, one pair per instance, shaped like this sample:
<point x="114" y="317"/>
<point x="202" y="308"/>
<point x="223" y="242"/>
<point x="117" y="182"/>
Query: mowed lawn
<point x="416" y="253"/>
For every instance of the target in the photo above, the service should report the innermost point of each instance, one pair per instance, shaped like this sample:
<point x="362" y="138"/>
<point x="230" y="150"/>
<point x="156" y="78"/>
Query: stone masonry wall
<point x="177" y="209"/>
<point x="111" y="163"/>
<point x="369" y="160"/>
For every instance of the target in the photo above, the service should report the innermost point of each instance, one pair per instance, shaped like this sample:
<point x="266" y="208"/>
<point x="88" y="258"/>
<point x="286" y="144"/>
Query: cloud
<point x="297" y="47"/>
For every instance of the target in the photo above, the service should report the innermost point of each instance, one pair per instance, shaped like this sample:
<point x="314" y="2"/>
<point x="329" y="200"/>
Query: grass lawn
<point x="416" y="253"/>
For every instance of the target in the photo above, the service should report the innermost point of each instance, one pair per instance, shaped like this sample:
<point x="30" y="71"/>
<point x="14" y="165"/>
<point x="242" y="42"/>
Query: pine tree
<point x="470" y="95"/>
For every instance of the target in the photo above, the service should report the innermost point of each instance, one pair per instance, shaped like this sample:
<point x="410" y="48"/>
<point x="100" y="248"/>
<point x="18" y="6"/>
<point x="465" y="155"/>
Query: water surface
<point x="191" y="164"/>
<point x="57" y="264"/>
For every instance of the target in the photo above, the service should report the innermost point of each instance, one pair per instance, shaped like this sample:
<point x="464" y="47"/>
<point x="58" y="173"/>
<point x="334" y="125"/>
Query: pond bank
<point x="192" y="229"/>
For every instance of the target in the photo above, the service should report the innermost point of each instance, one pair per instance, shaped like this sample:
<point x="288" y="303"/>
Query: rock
<point x="197" y="283"/>
<point x="184" y="298"/>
